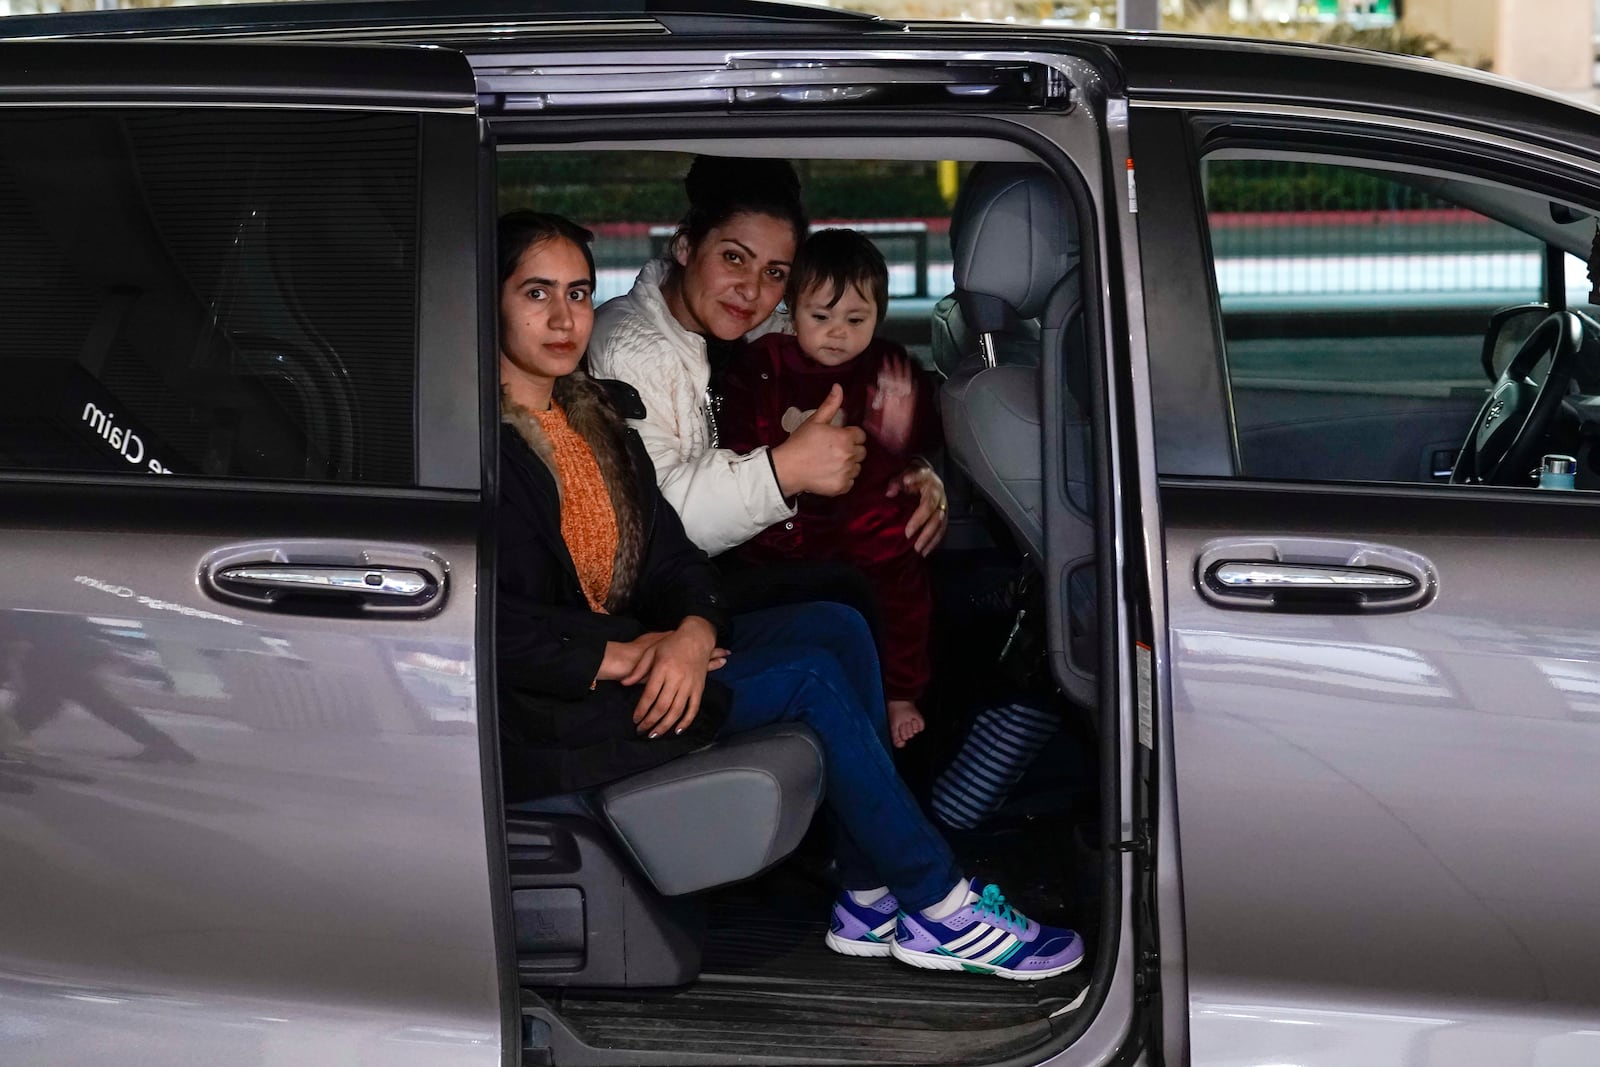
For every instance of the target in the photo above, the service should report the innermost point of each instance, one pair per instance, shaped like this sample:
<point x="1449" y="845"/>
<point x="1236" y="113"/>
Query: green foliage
<point x="600" y="187"/>
<point x="596" y="187"/>
<point x="1214" y="19"/>
<point x="1271" y="185"/>
<point x="1396" y="39"/>
<point x="871" y="189"/>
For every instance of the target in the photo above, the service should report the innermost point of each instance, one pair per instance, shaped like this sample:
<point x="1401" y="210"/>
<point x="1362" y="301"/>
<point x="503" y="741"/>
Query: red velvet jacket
<point x="863" y="525"/>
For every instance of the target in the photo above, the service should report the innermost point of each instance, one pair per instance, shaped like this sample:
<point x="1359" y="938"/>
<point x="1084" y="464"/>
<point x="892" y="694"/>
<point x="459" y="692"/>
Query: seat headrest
<point x="1014" y="235"/>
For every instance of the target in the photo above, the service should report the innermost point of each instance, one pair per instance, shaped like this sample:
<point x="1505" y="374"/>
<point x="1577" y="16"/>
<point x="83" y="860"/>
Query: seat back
<point x="1017" y="270"/>
<point x="1016" y="256"/>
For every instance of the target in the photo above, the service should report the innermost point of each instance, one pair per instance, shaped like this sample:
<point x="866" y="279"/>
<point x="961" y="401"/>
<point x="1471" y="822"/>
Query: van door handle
<point x="368" y="582"/>
<point x="1307" y="578"/>
<point x="327" y="577"/>
<point x="1313" y="575"/>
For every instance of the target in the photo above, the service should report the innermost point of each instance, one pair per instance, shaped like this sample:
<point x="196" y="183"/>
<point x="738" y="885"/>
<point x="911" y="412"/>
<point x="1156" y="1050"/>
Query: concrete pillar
<point x="1552" y="48"/>
<point x="1139" y="14"/>
<point x="1468" y="25"/>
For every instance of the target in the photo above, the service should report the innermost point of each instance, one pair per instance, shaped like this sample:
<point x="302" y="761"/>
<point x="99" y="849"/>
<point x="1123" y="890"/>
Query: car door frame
<point x="1120" y="997"/>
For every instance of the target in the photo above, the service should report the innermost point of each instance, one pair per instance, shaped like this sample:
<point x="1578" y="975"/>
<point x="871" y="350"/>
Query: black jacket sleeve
<point x="554" y="650"/>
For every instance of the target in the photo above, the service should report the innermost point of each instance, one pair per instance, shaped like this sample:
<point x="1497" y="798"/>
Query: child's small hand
<point x="892" y="406"/>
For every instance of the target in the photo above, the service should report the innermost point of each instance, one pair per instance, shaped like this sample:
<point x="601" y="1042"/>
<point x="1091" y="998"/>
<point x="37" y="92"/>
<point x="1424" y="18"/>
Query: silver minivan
<point x="1292" y="438"/>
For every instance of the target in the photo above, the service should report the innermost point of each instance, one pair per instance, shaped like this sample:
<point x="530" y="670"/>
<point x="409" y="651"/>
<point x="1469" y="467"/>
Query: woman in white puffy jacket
<point x="722" y="282"/>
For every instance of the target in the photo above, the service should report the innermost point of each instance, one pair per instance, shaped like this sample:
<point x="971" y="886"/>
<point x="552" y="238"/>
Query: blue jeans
<point x="815" y="664"/>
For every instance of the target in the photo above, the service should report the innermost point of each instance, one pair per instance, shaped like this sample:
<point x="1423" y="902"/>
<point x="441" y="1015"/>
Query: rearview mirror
<point x="1508" y="328"/>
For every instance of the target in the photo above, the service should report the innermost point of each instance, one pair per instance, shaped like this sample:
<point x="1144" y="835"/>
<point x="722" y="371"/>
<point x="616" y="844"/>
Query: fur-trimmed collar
<point x="593" y="417"/>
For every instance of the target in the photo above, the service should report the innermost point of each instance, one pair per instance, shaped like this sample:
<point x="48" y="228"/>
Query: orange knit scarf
<point x="588" y="523"/>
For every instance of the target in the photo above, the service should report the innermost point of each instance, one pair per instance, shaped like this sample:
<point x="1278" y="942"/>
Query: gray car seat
<point x="1017" y="267"/>
<point x="952" y="342"/>
<point x="602" y="881"/>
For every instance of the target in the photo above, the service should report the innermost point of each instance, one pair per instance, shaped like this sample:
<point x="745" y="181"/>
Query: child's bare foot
<point x="905" y="722"/>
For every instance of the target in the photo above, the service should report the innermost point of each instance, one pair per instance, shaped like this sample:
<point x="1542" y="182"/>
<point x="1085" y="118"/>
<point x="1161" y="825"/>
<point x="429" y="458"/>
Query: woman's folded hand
<point x="622" y="657"/>
<point x="673" y="672"/>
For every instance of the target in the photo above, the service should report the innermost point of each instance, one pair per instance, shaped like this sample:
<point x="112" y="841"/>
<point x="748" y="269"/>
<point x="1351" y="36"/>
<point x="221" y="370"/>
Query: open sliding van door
<point x="242" y="797"/>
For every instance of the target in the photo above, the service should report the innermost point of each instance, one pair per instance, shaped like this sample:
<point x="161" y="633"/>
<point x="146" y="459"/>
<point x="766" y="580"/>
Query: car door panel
<point x="310" y="859"/>
<point x="245" y="831"/>
<point x="1385" y="815"/>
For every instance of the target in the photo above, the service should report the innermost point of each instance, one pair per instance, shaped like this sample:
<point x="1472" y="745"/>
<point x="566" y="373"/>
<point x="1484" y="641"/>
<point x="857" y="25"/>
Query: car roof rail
<point x="522" y="83"/>
<point x="435" y="20"/>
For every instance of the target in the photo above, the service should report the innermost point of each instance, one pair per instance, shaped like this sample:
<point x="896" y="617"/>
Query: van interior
<point x="637" y="945"/>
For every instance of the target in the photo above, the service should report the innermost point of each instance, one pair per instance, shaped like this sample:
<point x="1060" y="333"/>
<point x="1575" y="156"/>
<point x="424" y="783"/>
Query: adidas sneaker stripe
<point x="1006" y="944"/>
<point x="978" y="931"/>
<point x="982" y="945"/>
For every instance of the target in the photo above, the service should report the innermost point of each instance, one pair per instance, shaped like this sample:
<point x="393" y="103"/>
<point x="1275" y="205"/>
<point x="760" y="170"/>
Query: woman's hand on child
<point x="892" y="406"/>
<point x="928" y="523"/>
<point x="819" y="457"/>
<point x="673" y="672"/>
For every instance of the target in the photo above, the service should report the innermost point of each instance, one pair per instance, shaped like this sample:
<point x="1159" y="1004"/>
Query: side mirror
<point x="1508" y="328"/>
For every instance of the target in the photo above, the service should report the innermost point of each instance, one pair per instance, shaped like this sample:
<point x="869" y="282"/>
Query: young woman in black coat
<point x="609" y="657"/>
<point x="593" y="687"/>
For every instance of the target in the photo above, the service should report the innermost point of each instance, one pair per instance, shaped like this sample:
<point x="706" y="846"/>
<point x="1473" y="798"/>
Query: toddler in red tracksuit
<point x="837" y="296"/>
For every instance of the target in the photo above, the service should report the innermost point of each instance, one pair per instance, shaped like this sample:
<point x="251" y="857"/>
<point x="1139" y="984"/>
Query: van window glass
<point x="634" y="200"/>
<point x="1354" y="304"/>
<point x="224" y="293"/>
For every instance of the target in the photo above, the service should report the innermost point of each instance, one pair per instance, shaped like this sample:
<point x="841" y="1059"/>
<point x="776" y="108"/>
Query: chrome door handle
<point x="1306" y="574"/>
<point x="328" y="578"/>
<point x="371" y="581"/>
<point x="1307" y="578"/>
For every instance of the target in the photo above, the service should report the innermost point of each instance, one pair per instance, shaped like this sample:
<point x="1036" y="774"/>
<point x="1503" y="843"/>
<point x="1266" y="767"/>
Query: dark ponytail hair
<point x="720" y="187"/>
<point x="521" y="230"/>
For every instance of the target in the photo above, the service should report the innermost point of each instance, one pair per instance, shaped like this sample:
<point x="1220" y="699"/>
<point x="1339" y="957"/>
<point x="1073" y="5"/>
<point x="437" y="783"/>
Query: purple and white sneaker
<point x="987" y="936"/>
<point x="862" y="929"/>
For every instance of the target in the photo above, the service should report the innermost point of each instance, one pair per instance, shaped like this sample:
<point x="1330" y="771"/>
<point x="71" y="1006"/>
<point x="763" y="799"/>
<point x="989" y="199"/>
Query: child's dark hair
<point x="521" y="230"/>
<point x="840" y="259"/>
<point x="720" y="187"/>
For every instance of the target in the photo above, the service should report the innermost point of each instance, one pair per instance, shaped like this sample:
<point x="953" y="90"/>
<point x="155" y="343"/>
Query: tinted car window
<point x="211" y="292"/>
<point x="1354" y="304"/>
<point x="1337" y="275"/>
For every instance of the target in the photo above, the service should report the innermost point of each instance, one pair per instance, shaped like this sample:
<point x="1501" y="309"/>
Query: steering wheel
<point x="1503" y="444"/>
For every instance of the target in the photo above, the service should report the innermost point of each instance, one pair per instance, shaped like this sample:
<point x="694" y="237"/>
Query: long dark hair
<point x="521" y="230"/>
<point x="720" y="187"/>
